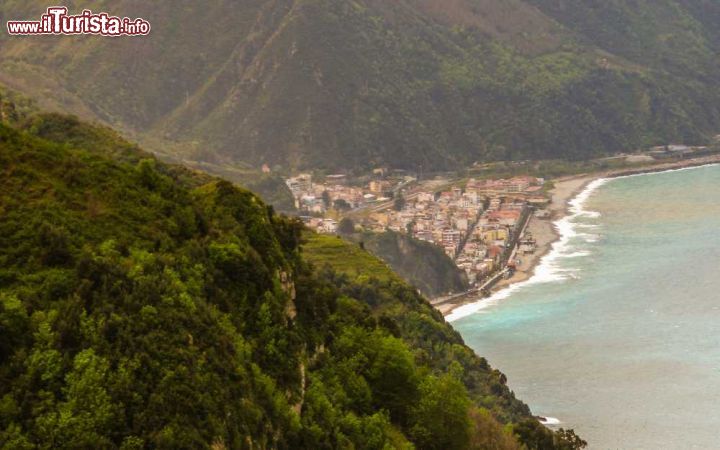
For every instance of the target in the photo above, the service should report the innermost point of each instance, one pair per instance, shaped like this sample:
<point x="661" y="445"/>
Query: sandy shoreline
<point x="544" y="230"/>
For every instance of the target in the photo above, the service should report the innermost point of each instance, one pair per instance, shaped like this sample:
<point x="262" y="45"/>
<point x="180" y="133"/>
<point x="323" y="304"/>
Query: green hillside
<point x="431" y="84"/>
<point x="146" y="306"/>
<point x="342" y="257"/>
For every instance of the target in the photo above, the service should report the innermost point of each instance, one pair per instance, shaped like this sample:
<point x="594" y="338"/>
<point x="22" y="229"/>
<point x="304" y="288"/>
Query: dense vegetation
<point x="146" y="306"/>
<point x="428" y="84"/>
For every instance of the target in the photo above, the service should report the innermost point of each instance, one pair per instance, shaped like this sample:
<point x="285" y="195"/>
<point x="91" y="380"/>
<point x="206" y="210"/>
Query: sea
<point x="617" y="335"/>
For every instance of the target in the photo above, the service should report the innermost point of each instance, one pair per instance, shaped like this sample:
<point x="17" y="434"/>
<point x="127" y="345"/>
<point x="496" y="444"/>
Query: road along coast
<point x="568" y="193"/>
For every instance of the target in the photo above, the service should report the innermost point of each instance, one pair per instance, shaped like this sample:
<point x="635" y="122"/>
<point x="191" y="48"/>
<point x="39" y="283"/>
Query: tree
<point x="567" y="439"/>
<point x="341" y="205"/>
<point x="399" y="202"/>
<point x="535" y="435"/>
<point x="147" y="174"/>
<point x="441" y="416"/>
<point x="86" y="418"/>
<point x="327" y="201"/>
<point x="14" y="325"/>
<point x="392" y="376"/>
<point x="410" y="228"/>
<point x="346" y="226"/>
<point x="487" y="432"/>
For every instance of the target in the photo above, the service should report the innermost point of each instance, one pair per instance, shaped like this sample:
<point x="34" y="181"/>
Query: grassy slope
<point x="345" y="258"/>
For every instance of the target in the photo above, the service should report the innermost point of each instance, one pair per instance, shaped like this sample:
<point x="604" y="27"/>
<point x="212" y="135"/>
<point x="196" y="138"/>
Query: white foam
<point x="681" y="169"/>
<point x="548" y="270"/>
<point x="589" y="226"/>
<point x="575" y="255"/>
<point x="590" y="214"/>
<point x="550" y="421"/>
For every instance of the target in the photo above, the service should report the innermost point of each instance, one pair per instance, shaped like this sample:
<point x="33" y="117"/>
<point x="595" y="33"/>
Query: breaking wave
<point x="548" y="270"/>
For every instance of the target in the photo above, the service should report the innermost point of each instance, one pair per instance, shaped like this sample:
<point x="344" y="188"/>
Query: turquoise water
<point x="618" y="335"/>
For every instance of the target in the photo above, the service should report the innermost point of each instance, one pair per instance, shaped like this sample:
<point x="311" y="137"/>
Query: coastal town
<point x="479" y="224"/>
<point x="484" y="225"/>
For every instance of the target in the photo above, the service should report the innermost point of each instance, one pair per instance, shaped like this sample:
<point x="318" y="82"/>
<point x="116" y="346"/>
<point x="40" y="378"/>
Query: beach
<point x="619" y="318"/>
<point x="544" y="230"/>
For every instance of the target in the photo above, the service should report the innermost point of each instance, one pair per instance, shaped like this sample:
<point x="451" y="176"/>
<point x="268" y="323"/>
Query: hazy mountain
<point x="409" y="83"/>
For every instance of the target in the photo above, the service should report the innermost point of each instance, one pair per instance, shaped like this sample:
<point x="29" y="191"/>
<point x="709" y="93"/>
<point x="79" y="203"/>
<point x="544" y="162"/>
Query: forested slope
<point x="146" y="306"/>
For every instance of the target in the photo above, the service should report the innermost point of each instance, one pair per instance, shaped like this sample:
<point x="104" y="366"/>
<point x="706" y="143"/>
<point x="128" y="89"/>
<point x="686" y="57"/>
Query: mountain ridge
<point x="412" y="84"/>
